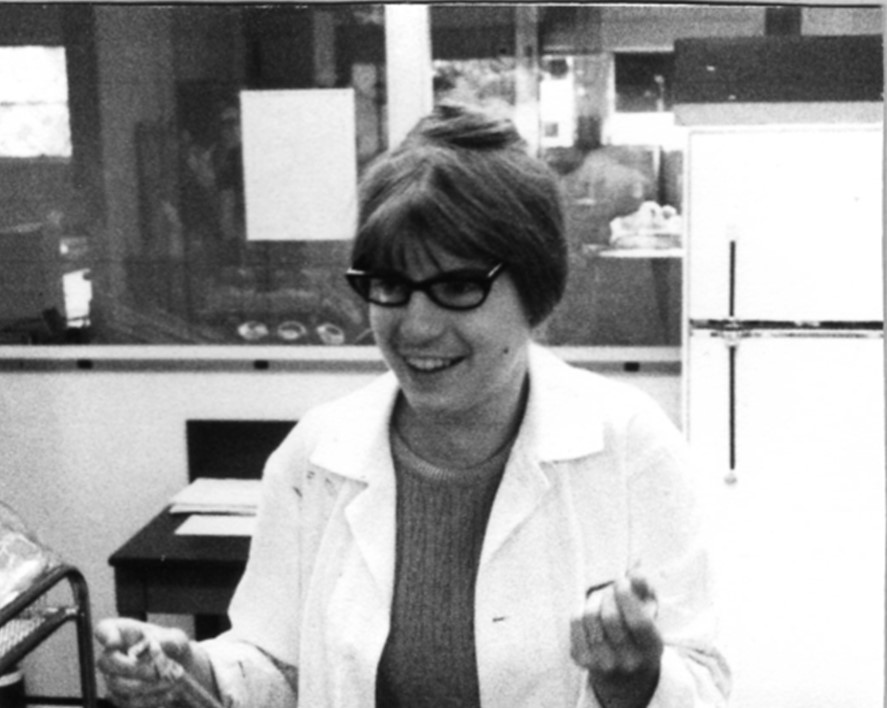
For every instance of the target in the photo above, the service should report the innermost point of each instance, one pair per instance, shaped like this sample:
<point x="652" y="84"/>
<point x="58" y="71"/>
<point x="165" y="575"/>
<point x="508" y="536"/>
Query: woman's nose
<point x="421" y="319"/>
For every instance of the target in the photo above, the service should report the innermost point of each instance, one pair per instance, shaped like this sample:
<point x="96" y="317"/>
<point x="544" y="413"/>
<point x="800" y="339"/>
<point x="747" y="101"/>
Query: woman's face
<point x="451" y="363"/>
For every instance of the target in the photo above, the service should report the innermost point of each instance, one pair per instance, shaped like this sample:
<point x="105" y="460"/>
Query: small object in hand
<point x="641" y="589"/>
<point x="166" y="669"/>
<point x="597" y="588"/>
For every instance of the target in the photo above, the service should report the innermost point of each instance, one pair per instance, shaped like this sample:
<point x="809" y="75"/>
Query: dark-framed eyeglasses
<point x="462" y="289"/>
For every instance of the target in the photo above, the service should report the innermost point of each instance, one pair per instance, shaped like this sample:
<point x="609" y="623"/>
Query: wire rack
<point x="29" y="619"/>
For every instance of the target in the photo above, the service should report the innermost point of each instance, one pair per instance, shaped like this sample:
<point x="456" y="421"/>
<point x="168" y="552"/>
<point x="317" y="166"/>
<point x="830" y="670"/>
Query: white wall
<point x="88" y="457"/>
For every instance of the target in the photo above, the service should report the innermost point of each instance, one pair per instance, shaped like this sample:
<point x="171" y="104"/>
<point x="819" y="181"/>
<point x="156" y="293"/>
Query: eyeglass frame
<point x="484" y="280"/>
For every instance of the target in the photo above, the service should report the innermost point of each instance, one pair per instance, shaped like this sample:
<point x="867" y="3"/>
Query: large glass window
<point x="174" y="260"/>
<point x="36" y="288"/>
<point x="621" y="178"/>
<point x="608" y="133"/>
<point x="130" y="222"/>
<point x="200" y="272"/>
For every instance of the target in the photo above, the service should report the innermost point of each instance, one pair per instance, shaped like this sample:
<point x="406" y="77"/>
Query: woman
<point x="482" y="526"/>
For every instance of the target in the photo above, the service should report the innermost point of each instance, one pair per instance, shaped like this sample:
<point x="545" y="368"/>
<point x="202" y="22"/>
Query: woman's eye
<point x="387" y="288"/>
<point x="455" y="289"/>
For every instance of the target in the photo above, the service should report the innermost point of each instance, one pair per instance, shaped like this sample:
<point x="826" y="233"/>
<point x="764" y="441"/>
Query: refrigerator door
<point x="800" y="519"/>
<point x="784" y="222"/>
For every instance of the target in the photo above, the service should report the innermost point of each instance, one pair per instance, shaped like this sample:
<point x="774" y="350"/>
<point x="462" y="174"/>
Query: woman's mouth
<point x="430" y="364"/>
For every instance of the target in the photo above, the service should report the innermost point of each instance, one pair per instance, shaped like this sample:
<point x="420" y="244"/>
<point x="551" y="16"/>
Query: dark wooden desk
<point x="157" y="571"/>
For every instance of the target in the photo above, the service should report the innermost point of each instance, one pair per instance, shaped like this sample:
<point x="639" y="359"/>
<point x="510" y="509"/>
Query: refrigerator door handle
<point x="731" y="306"/>
<point x="732" y="339"/>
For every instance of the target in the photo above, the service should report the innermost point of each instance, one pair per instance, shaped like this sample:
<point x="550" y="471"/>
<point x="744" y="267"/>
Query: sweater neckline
<point x="477" y="473"/>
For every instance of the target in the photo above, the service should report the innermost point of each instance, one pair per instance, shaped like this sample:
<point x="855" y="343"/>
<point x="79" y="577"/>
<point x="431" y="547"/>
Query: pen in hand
<point x="167" y="669"/>
<point x="639" y="587"/>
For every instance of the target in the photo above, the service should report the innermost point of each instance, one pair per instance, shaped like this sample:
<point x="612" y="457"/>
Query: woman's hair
<point x="463" y="182"/>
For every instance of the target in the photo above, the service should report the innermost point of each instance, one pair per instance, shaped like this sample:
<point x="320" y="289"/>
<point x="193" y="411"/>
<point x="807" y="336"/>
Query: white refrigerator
<point x="784" y="393"/>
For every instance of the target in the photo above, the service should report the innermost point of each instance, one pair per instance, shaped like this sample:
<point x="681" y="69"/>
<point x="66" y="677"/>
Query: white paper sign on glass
<point x="299" y="164"/>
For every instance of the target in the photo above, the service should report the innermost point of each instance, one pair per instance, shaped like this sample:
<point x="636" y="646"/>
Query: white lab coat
<point x="598" y="483"/>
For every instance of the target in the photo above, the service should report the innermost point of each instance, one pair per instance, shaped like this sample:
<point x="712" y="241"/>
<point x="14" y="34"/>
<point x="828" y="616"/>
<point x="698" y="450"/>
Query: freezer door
<point x="785" y="223"/>
<point x="799" y="519"/>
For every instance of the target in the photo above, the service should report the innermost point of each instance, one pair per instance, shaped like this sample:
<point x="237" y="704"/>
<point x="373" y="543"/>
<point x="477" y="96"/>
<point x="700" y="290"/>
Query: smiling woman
<point x="434" y="539"/>
<point x="461" y="235"/>
<point x="462" y="372"/>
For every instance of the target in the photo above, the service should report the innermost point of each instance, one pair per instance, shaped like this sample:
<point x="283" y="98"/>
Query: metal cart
<point x="30" y="619"/>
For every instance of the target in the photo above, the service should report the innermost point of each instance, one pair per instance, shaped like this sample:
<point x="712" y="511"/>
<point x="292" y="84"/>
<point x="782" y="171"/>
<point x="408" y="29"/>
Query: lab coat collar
<point x="559" y="424"/>
<point x="563" y="419"/>
<point x="354" y="444"/>
<point x="562" y="422"/>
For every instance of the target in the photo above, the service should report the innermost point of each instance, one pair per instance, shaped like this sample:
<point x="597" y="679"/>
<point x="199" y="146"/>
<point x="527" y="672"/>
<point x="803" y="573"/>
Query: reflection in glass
<point x="620" y="178"/>
<point x="144" y="214"/>
<point x="622" y="206"/>
<point x="195" y="275"/>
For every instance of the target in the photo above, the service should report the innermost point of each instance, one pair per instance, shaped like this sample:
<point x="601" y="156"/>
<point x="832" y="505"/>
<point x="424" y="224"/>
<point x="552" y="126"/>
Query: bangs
<point x="414" y="219"/>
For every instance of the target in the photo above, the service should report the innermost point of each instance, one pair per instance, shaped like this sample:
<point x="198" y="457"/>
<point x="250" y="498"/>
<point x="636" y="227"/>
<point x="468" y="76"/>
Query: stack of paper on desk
<point x="207" y="495"/>
<point x="217" y="525"/>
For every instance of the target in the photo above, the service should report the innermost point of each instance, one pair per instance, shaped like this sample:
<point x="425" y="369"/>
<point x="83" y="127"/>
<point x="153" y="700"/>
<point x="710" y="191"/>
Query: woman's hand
<point x="133" y="681"/>
<point x="617" y="640"/>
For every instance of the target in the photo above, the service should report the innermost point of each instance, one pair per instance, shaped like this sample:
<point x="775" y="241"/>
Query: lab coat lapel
<point x="359" y="450"/>
<point x="371" y="518"/>
<point x="558" y="425"/>
<point x="522" y="488"/>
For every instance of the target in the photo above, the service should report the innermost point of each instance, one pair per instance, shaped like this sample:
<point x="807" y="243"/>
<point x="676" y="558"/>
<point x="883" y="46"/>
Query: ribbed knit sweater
<point x="429" y="660"/>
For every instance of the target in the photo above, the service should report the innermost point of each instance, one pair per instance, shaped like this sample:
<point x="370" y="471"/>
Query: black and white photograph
<point x="442" y="355"/>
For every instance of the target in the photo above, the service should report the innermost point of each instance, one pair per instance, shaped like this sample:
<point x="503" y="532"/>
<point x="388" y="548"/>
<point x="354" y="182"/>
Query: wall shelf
<point x="636" y="253"/>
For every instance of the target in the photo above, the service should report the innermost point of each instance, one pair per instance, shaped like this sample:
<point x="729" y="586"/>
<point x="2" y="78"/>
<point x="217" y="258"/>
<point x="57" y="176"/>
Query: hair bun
<point x="462" y="126"/>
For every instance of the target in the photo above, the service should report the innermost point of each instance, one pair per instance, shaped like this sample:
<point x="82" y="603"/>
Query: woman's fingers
<point x="588" y="635"/>
<point x="617" y="632"/>
<point x="638" y="609"/>
<point x="118" y="633"/>
<point x="129" y="692"/>
<point x="579" y="645"/>
<point x="130" y="675"/>
<point x="612" y="622"/>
